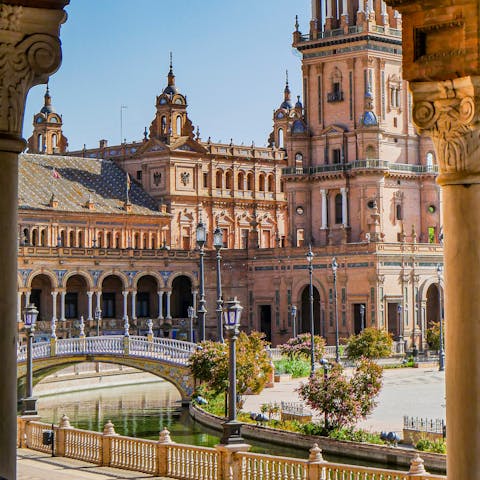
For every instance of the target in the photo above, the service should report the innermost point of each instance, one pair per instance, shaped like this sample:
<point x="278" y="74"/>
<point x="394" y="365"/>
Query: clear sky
<point x="230" y="59"/>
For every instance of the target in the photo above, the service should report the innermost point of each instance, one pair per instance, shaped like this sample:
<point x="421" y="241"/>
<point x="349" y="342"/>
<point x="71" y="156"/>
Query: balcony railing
<point x="373" y="164"/>
<point x="335" y="97"/>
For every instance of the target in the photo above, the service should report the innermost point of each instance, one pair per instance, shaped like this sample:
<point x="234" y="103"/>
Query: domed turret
<point x="47" y="107"/>
<point x="287" y="100"/>
<point x="369" y="119"/>
<point x="171" y="89"/>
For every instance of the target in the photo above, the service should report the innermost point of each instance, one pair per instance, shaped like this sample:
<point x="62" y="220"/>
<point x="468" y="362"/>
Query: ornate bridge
<point x="163" y="357"/>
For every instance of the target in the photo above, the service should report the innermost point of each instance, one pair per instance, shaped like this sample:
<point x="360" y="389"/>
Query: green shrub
<point x="370" y="343"/>
<point x="434" y="446"/>
<point x="433" y="335"/>
<point x="296" y="367"/>
<point x="300" y="347"/>
<point x="354" y="435"/>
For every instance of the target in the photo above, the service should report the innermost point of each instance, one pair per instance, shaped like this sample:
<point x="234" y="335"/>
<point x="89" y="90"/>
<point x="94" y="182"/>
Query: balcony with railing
<point x="373" y="164"/>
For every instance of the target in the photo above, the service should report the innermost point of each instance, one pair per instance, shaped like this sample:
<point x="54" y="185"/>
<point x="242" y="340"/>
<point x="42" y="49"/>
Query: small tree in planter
<point x="300" y="347"/>
<point x="209" y="364"/>
<point x="343" y="401"/>
<point x="433" y="336"/>
<point x="370" y="343"/>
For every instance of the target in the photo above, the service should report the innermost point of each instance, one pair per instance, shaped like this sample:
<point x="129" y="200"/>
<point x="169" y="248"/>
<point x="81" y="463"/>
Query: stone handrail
<point x="174" y="351"/>
<point x="187" y="462"/>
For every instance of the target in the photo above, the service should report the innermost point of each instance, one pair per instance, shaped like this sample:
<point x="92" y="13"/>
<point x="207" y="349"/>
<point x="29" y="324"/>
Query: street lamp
<point x="294" y="320"/>
<point x="191" y="314"/>
<point x="202" y="310"/>
<point x="441" y="352"/>
<point x="362" y="317"/>
<point x="337" y="340"/>
<point x="218" y="244"/>
<point x="326" y="365"/>
<point x="232" y="428"/>
<point x="30" y="315"/>
<point x="309" y="256"/>
<point x="400" y="326"/>
<point x="98" y="318"/>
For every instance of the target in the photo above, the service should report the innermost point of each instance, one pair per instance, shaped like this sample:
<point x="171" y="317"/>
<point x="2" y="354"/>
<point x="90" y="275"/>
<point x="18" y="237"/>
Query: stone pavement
<point x="33" y="465"/>
<point x="416" y="392"/>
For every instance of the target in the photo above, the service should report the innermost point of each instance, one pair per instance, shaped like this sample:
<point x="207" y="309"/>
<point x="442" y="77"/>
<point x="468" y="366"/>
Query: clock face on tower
<point x="163" y="101"/>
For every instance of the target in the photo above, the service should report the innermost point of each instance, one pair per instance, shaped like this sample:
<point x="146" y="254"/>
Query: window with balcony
<point x="336" y="92"/>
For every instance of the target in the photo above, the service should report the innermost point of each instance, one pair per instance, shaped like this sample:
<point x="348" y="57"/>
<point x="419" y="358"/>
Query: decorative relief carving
<point x="10" y="16"/>
<point x="448" y="112"/>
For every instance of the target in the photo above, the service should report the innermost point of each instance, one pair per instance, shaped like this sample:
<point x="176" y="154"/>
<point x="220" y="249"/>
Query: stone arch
<point x="177" y="375"/>
<point x="87" y="277"/>
<point x="41" y="286"/>
<point x="116" y="273"/>
<point x="182" y="295"/>
<point x="42" y="271"/>
<point x="150" y="273"/>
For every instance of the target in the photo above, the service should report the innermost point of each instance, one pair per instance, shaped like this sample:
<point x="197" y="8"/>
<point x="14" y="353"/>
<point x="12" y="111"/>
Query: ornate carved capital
<point x="448" y="112"/>
<point x="30" y="52"/>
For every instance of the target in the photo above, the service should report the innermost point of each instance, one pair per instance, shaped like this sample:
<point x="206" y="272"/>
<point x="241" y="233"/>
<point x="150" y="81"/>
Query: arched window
<point x="54" y="141"/>
<point x="100" y="240"/>
<point x="34" y="237"/>
<point x="398" y="212"/>
<point x="40" y="143"/>
<point x="250" y="181"/>
<point x="72" y="239"/>
<point x="108" y="243"/>
<point x="338" y="209"/>
<point x="136" y="241"/>
<point x="261" y="183"/>
<point x="241" y="181"/>
<point x="144" y="241"/>
<point x="271" y="183"/>
<point x="430" y="159"/>
<point x="370" y="152"/>
<point x="80" y="239"/>
<point x="280" y="140"/>
<point x="117" y="241"/>
<point x="26" y="239"/>
<point x="63" y="239"/>
<point x="179" y="124"/>
<point x="43" y="241"/>
<point x="228" y="180"/>
<point x="218" y="179"/>
<point x="163" y="123"/>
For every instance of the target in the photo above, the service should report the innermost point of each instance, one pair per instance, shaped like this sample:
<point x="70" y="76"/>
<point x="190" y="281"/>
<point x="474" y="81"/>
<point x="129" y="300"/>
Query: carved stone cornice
<point x="30" y="52"/>
<point x="448" y="111"/>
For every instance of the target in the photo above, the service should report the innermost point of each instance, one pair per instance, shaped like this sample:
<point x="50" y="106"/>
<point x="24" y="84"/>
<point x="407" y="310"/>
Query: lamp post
<point x="232" y="428"/>
<point x="441" y="352"/>
<point x="29" y="406"/>
<point x="294" y="321"/>
<point x="400" y="327"/>
<point x="218" y="244"/>
<point x="337" y="340"/>
<point x="312" y="324"/>
<point x="98" y="318"/>
<point x="362" y="317"/>
<point x="324" y="363"/>
<point x="202" y="310"/>
<point x="191" y="314"/>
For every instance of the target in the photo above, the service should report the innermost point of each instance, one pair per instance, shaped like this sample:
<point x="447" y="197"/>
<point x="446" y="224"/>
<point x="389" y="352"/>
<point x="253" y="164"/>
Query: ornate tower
<point x="47" y="135"/>
<point x="358" y="154"/>
<point x="171" y="120"/>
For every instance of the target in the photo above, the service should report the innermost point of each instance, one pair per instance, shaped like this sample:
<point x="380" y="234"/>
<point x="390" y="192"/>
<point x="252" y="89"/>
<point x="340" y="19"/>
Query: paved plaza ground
<point x="418" y="392"/>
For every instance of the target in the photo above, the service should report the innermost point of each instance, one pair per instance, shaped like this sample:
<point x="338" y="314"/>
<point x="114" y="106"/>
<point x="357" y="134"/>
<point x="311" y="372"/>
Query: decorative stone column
<point x="449" y="112"/>
<point x="125" y="305"/>
<point x="54" y="305"/>
<point x="27" y="298"/>
<point x="134" y="305"/>
<point x="19" y="307"/>
<point x="160" y="305"/>
<point x="62" y="306"/>
<point x="344" y="192"/>
<point x="324" y="210"/>
<point x="169" y="294"/>
<point x="29" y="52"/>
<point x="89" y="308"/>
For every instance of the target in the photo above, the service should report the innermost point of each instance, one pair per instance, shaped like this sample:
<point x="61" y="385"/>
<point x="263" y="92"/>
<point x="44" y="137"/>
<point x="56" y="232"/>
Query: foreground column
<point x="448" y="111"/>
<point x="30" y="52"/>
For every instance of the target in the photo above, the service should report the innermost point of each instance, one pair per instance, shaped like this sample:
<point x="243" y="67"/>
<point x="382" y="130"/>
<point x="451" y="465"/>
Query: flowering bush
<point x="433" y="335"/>
<point x="209" y="364"/>
<point x="343" y="400"/>
<point x="300" y="347"/>
<point x="370" y="343"/>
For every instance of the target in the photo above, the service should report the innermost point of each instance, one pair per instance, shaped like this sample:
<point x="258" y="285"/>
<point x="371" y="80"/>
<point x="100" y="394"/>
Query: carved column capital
<point x="30" y="51"/>
<point x="448" y="111"/>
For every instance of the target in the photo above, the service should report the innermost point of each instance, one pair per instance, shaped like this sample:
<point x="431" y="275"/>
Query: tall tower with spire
<point x="358" y="155"/>
<point x="47" y="135"/>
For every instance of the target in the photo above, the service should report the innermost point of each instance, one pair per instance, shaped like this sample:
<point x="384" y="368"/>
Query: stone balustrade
<point x="186" y="462"/>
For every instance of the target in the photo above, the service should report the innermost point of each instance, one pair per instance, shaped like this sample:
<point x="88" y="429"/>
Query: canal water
<point x="144" y="409"/>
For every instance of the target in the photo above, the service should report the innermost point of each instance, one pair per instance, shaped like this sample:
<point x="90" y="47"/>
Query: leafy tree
<point x="300" y="347"/>
<point x="370" y="343"/>
<point x="433" y="335"/>
<point x="343" y="401"/>
<point x="209" y="364"/>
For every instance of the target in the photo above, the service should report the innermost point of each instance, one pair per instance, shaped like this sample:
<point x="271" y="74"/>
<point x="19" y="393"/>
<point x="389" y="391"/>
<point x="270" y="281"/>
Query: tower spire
<point x="171" y="76"/>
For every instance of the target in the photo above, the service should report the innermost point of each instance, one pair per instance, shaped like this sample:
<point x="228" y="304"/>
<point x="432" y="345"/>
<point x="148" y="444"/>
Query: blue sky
<point x="230" y="59"/>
